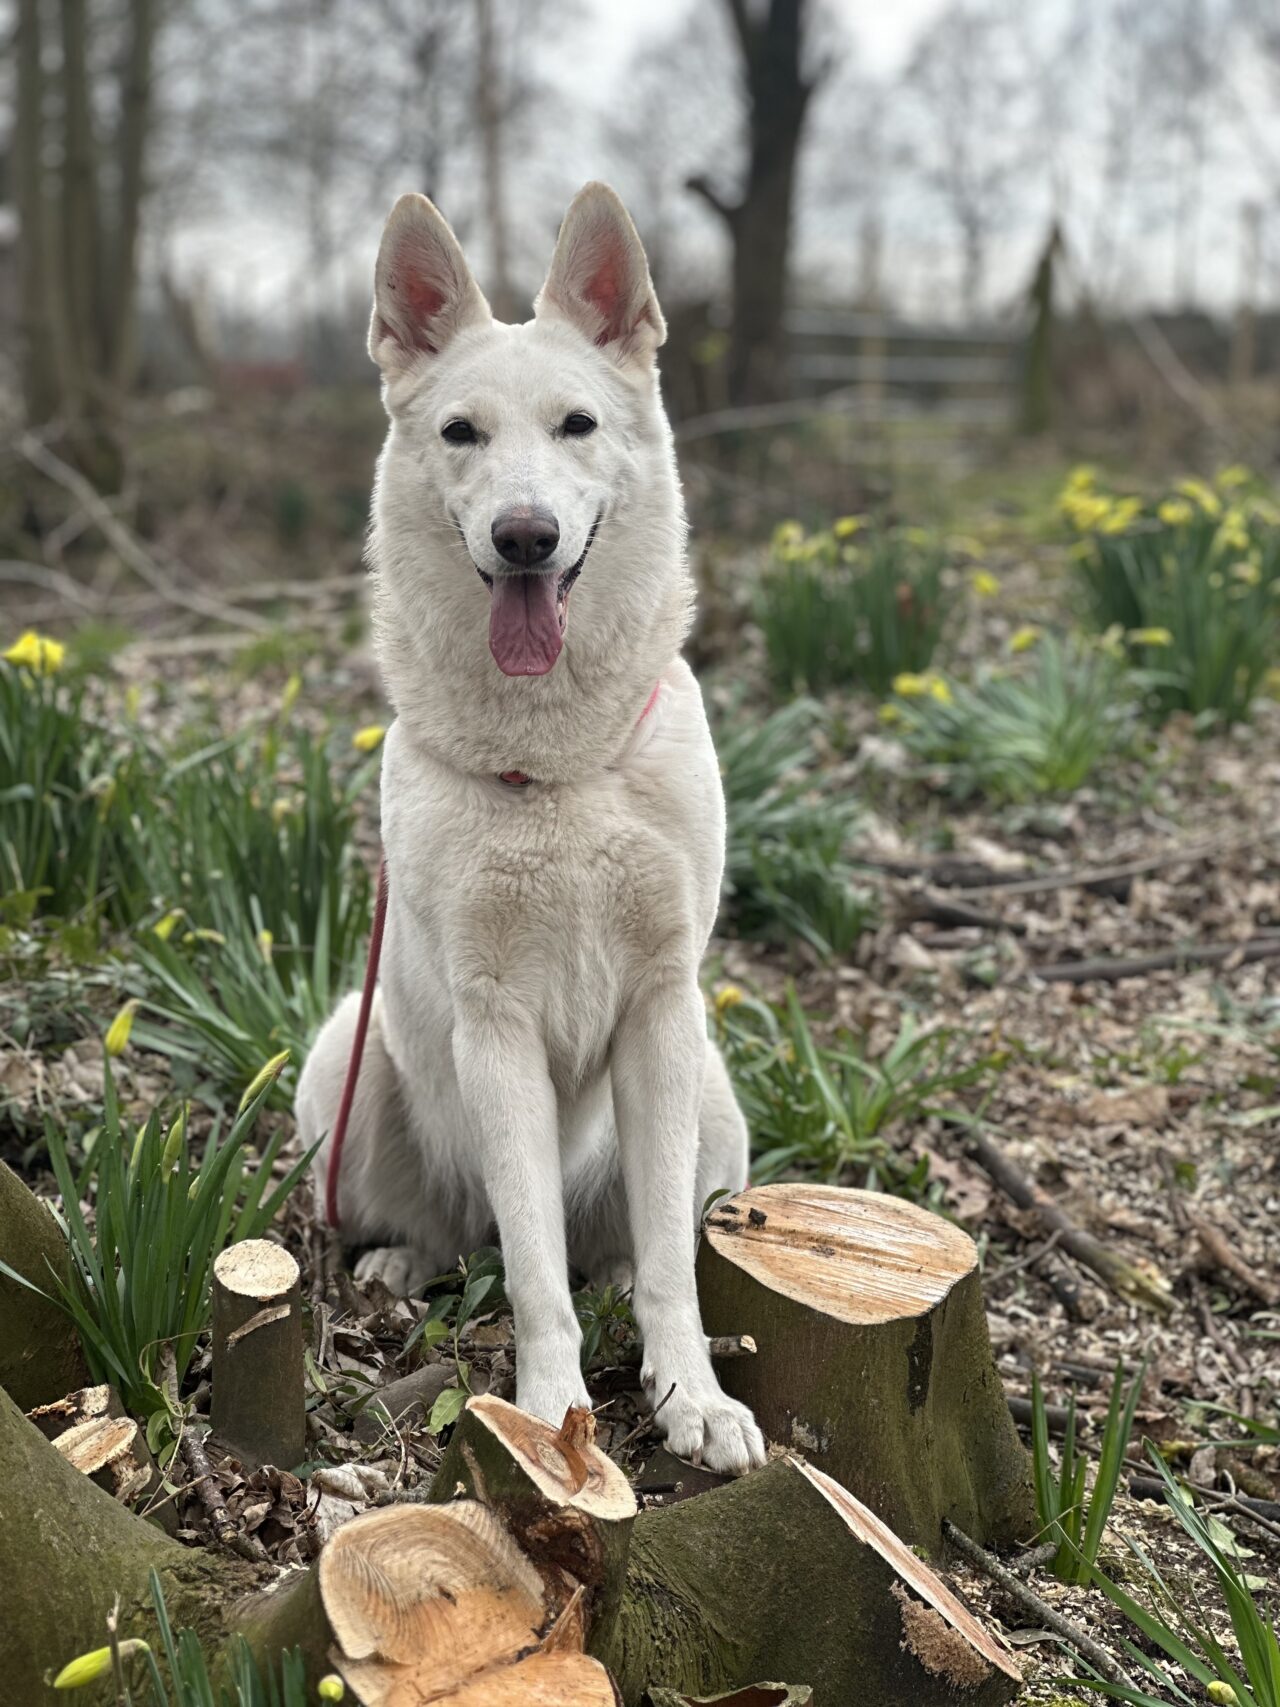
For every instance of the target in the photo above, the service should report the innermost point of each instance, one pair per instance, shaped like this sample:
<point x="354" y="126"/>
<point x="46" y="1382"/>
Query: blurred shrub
<point x="786" y="868"/>
<point x="850" y="607"/>
<point x="1187" y="587"/>
<point x="1040" y="726"/>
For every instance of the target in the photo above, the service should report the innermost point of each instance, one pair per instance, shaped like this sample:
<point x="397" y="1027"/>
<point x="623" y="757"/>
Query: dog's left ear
<point x="599" y="280"/>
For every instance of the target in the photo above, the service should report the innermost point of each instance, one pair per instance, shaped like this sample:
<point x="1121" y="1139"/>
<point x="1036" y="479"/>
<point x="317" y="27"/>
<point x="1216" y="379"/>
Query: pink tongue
<point x="524" y="627"/>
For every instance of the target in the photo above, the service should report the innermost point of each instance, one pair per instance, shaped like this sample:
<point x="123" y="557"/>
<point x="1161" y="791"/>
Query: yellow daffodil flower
<point x="1228" y="479"/>
<point x="1201" y="494"/>
<point x="264" y="1076"/>
<point x="37" y="653"/>
<point x="844" y="527"/>
<point x="1175" y="512"/>
<point x="890" y="713"/>
<point x="939" y="689"/>
<point x="163" y="928"/>
<point x="368" y="739"/>
<point x="908" y="685"/>
<point x="984" y="583"/>
<point x="787" y="533"/>
<point x="1024" y="638"/>
<point x="1120" y="515"/>
<point x="728" y="997"/>
<point x="1150" y="637"/>
<point x="88" y="1668"/>
<point x="117" y="1038"/>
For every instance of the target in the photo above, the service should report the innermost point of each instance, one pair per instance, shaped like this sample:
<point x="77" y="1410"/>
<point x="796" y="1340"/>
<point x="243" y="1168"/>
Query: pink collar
<point x="520" y="779"/>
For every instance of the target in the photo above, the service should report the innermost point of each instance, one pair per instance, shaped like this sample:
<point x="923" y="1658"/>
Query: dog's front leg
<point x="659" y="1058"/>
<point x="511" y="1107"/>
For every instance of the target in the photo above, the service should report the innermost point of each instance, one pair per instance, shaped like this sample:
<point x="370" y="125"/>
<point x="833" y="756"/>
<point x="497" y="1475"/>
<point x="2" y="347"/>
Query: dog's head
<point x="525" y="463"/>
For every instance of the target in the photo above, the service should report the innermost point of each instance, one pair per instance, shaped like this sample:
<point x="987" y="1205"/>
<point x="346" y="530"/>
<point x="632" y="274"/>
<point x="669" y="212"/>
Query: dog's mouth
<point x="528" y="614"/>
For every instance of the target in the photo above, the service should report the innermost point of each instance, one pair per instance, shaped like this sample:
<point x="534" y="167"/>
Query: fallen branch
<point x="127" y="545"/>
<point x="1123" y="1277"/>
<point x="1031" y="1602"/>
<point x="1265" y="1513"/>
<point x="1110" y="969"/>
<point x="926" y="907"/>
<point x="1220" y="1250"/>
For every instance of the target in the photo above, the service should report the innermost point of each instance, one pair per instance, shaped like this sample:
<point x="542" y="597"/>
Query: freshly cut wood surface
<point x="859" y="1256"/>
<point x="564" y="1464"/>
<point x="913" y="1571"/>
<point x="873" y="1356"/>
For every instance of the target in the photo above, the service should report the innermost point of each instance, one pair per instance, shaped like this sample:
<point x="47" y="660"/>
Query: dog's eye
<point x="459" y="433"/>
<point x="578" y="425"/>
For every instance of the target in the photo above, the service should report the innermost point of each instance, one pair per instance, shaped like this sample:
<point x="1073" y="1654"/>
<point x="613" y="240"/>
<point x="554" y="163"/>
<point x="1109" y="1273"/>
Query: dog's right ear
<point x="423" y="291"/>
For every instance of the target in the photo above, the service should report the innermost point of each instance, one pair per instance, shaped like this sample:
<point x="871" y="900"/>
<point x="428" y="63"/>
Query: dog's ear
<point x="599" y="280"/>
<point x="423" y="291"/>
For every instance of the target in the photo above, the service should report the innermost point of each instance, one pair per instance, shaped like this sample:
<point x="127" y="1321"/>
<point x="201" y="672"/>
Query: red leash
<point x="357" y="1048"/>
<point x="513" y="779"/>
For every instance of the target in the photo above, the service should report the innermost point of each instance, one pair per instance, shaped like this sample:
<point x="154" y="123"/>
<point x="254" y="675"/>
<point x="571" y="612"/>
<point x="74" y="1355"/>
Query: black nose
<point x="525" y="536"/>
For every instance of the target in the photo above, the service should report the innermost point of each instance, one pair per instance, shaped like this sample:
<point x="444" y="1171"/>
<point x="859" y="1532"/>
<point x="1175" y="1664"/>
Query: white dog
<point x="552" y="818"/>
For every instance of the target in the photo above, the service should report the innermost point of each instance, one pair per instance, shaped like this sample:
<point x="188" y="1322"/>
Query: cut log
<point x="259" y="1395"/>
<point x="784" y="1574"/>
<point x="88" y="1404"/>
<point x="874" y="1358"/>
<point x="755" y="1695"/>
<point x="567" y="1505"/>
<point x="437" y="1603"/>
<point x="40" y="1355"/>
<point x="113" y="1452"/>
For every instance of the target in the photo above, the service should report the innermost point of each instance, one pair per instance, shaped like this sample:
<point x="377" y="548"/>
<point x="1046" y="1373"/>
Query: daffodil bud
<point x="331" y="1688"/>
<point x="117" y="1039"/>
<point x="265" y="1076"/>
<point x="88" y="1668"/>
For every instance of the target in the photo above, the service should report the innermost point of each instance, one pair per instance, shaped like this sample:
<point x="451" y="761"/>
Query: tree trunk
<point x="67" y="1548"/>
<point x="873" y="1359"/>
<point x="40" y="1356"/>
<point x="37" y="301"/>
<point x="489" y="110"/>
<point x="760" y="222"/>
<point x="783" y="1574"/>
<point x="135" y="124"/>
<point x="259" y="1389"/>
<point x="81" y="246"/>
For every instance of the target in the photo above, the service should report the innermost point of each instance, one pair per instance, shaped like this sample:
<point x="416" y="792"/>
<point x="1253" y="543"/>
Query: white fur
<point x="539" y="1055"/>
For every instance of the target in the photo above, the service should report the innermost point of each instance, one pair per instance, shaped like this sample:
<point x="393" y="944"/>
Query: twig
<point x="192" y="1452"/>
<point x="55" y="581"/>
<point x="1107" y="876"/>
<point x="1033" y="1560"/>
<point x="1265" y="1513"/>
<point x="1218" y="1247"/>
<point x="643" y="1425"/>
<point x="1111" y="968"/>
<point x="1018" y="1591"/>
<point x="127" y="544"/>
<point x="925" y="906"/>
<point x="1030" y="1259"/>
<point x="1123" y="1277"/>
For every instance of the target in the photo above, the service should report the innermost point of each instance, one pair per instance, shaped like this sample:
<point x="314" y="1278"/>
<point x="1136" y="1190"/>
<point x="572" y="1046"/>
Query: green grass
<point x="1190" y="587"/>
<point x="1076" y="1520"/>
<point x="1041" y="727"/>
<point x="824" y="1109"/>
<point x="851" y="607"/>
<point x="142" y="1260"/>
<point x="1174" y="1627"/>
<point x="787" y="870"/>
<point x="67" y="788"/>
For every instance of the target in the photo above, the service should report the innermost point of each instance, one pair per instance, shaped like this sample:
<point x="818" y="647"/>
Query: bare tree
<point x="778" y="88"/>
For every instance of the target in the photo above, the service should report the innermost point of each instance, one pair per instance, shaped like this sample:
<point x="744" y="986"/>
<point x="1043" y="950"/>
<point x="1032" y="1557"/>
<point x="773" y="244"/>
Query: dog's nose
<point x="524" y="535"/>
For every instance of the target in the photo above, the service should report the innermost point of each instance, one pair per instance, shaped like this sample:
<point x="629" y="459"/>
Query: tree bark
<point x="874" y="1358"/>
<point x="40" y="1356"/>
<point x="760" y="222"/>
<point x="135" y="126"/>
<point x="37" y="301"/>
<point x="783" y="1574"/>
<point x="259" y="1394"/>
<point x="81" y="236"/>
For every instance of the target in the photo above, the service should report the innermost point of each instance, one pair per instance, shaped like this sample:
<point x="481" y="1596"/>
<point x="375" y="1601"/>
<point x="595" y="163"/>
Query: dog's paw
<point x="712" y="1429"/>
<point x="546" y="1396"/>
<point x="402" y="1269"/>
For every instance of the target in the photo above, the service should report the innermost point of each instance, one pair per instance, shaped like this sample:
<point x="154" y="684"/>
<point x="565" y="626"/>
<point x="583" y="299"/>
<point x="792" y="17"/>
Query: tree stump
<point x="874" y="1359"/>
<point x="40" y="1355"/>
<point x="567" y="1505"/>
<point x="783" y="1574"/>
<point x="259" y="1397"/>
<point x="438" y="1603"/>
